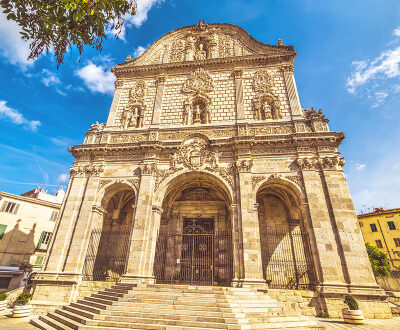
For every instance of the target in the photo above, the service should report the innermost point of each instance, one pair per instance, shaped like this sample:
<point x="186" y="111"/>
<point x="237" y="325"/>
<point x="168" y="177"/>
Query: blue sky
<point x="348" y="65"/>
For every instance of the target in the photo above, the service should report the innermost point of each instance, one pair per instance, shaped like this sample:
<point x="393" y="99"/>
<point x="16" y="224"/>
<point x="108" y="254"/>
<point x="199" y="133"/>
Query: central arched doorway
<point x="194" y="245"/>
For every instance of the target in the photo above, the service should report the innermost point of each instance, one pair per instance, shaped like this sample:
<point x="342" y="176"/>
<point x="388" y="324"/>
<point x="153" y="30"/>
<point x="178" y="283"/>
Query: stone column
<point x="153" y="235"/>
<point x="291" y="89"/>
<point x="237" y="74"/>
<point x="235" y="244"/>
<point x="114" y="105"/>
<point x="140" y="253"/>
<point x="253" y="274"/>
<point x="158" y="101"/>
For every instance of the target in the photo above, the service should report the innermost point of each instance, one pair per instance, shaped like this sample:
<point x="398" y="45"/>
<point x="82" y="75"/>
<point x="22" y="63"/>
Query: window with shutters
<point x="39" y="260"/>
<point x="379" y="243"/>
<point x="373" y="227"/>
<point x="54" y="216"/>
<point x="391" y="225"/>
<point x="2" y="230"/>
<point x="44" y="240"/>
<point x="397" y="242"/>
<point x="9" y="207"/>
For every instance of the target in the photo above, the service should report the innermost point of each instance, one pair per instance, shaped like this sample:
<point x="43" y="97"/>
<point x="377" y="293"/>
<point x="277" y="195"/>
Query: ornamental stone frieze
<point x="323" y="163"/>
<point x="86" y="170"/>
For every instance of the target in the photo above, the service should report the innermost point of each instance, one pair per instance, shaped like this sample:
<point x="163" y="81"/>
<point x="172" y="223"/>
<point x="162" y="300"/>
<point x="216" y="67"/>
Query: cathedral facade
<point x="209" y="172"/>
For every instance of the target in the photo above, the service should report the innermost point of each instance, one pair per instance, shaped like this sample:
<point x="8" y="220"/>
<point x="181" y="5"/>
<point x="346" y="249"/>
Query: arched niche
<point x="108" y="246"/>
<point x="285" y="248"/>
<point x="267" y="106"/>
<point x="197" y="110"/>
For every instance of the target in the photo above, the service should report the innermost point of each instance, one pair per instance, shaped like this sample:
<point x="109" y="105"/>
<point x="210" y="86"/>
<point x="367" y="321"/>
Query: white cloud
<point x="63" y="177"/>
<point x="359" y="167"/>
<point x="396" y="32"/>
<point x="62" y="142"/>
<point x="386" y="65"/>
<point x="12" y="47"/>
<point x="17" y="118"/>
<point x="379" y="98"/>
<point x="139" y="51"/>
<point x="49" y="78"/>
<point x="97" y="78"/>
<point x="143" y="7"/>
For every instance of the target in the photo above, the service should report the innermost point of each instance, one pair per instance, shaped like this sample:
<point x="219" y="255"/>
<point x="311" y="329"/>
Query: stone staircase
<point x="126" y="306"/>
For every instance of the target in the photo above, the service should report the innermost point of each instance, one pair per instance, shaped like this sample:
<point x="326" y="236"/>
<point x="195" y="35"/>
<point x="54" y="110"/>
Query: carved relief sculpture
<point x="133" y="114"/>
<point x="266" y="103"/>
<point x="197" y="104"/>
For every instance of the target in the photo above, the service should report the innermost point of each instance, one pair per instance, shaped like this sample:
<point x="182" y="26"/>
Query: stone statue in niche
<point x="201" y="53"/>
<point x="266" y="111"/>
<point x="132" y="118"/>
<point x="126" y="119"/>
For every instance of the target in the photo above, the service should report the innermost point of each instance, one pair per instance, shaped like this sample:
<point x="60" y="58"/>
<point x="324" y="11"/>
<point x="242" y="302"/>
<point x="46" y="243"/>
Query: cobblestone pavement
<point x="9" y="323"/>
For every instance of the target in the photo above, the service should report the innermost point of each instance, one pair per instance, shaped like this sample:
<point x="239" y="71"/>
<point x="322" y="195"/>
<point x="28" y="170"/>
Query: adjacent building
<point x="26" y="227"/>
<point x="382" y="229"/>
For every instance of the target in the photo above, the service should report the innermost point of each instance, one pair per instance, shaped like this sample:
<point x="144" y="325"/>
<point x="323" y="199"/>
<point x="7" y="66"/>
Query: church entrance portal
<point x="194" y="244"/>
<point x="200" y="257"/>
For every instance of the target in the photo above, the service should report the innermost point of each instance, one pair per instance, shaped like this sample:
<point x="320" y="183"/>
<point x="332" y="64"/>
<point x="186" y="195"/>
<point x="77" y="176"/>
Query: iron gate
<point x="287" y="259"/>
<point x="195" y="257"/>
<point x="106" y="255"/>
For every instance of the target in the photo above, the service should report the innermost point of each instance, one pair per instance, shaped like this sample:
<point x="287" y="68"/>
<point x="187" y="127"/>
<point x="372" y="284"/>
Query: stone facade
<point x="207" y="124"/>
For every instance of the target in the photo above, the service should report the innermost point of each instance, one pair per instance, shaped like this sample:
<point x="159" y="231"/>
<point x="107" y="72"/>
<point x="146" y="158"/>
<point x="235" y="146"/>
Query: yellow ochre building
<point x="381" y="228"/>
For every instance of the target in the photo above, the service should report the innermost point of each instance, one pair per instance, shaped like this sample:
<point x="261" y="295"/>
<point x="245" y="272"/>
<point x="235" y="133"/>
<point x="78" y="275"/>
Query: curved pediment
<point x="205" y="41"/>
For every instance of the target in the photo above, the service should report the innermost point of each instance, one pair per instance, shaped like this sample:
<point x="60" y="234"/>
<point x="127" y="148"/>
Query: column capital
<point x="157" y="209"/>
<point x="98" y="209"/>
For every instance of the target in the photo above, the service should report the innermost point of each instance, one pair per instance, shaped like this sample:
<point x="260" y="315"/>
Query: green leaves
<point x="379" y="261"/>
<point x="61" y="24"/>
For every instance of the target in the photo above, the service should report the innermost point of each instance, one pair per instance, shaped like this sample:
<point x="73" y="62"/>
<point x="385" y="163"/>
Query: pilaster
<point x="158" y="101"/>
<point x="237" y="74"/>
<point x="253" y="274"/>
<point x="143" y="237"/>
<point x="291" y="89"/>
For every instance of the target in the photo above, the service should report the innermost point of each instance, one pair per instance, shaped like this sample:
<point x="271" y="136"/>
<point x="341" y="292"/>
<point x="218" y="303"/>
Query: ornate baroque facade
<point x="206" y="136"/>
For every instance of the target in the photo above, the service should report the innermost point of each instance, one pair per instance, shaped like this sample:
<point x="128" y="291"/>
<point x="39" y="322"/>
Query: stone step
<point x="168" y="299"/>
<point x="41" y="324"/>
<point x="141" y="311"/>
<point x="126" y="317"/>
<point x="120" y="322"/>
<point x="131" y="307"/>
<point x="198" y="303"/>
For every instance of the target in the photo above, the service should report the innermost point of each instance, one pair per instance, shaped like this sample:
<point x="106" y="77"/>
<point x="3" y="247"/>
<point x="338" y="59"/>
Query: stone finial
<point x="201" y="26"/>
<point x="280" y="43"/>
<point x="128" y="58"/>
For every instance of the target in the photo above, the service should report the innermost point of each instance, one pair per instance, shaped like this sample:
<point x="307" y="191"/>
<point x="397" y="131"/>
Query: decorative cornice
<point x="226" y="62"/>
<point x="323" y="163"/>
<point x="89" y="170"/>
